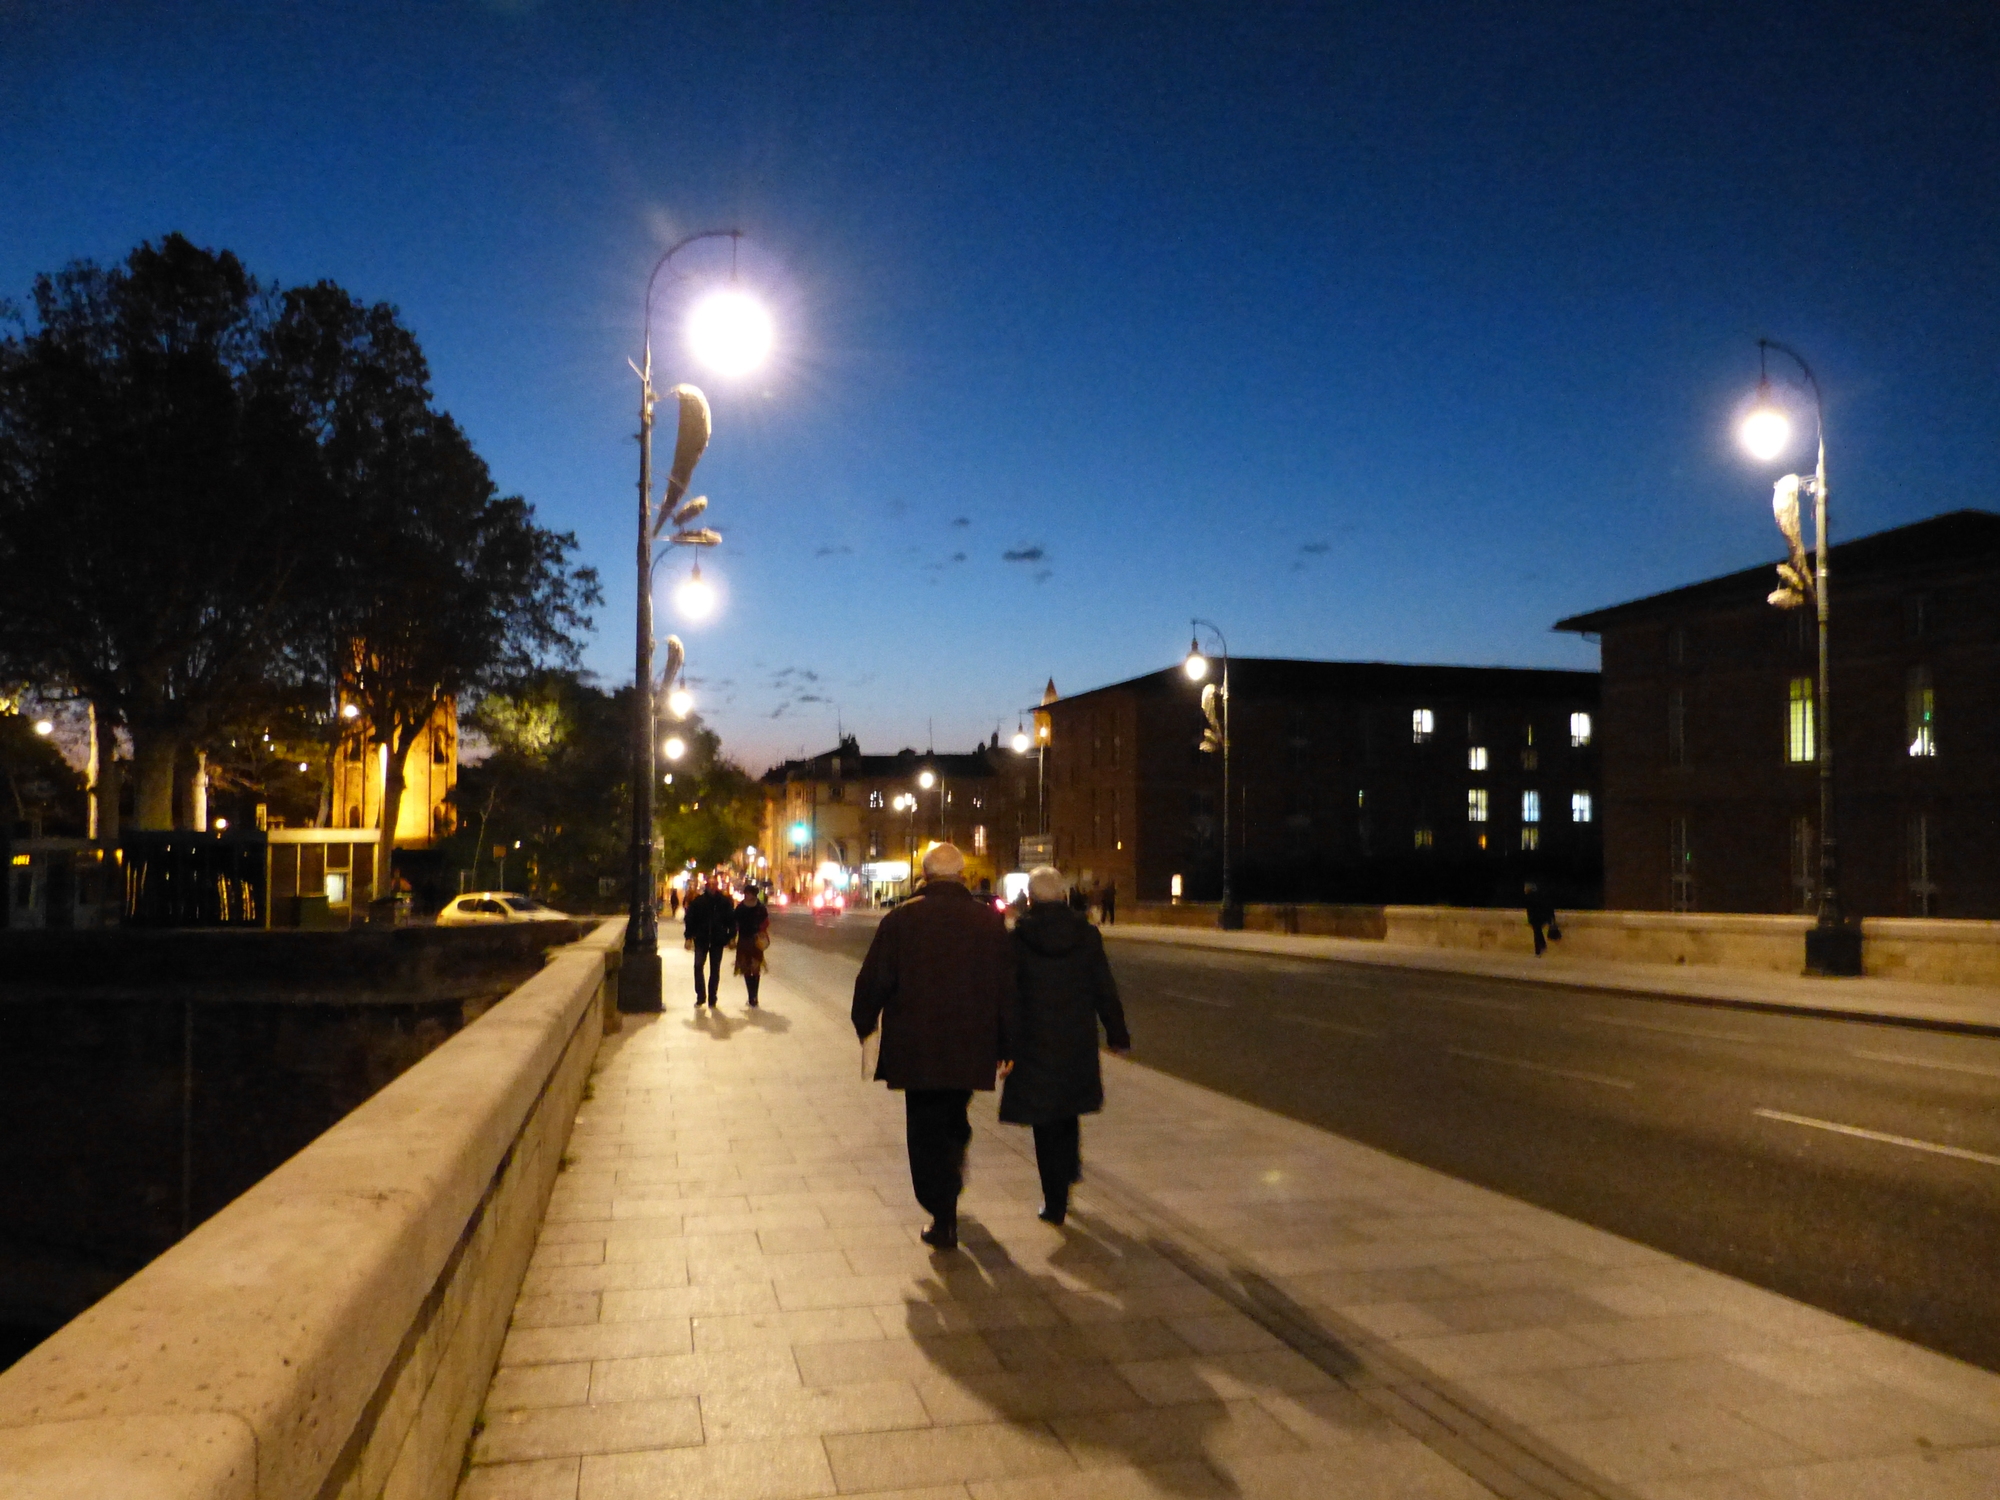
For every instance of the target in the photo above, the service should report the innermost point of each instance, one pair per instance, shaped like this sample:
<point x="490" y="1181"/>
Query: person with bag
<point x="1063" y="992"/>
<point x="753" y="936"/>
<point x="707" y="923"/>
<point x="938" y="987"/>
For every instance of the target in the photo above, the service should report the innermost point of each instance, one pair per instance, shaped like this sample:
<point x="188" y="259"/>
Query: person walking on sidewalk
<point x="1541" y="914"/>
<point x="708" y="920"/>
<point x="753" y="936"/>
<point x="938" y="982"/>
<point x="1063" y="991"/>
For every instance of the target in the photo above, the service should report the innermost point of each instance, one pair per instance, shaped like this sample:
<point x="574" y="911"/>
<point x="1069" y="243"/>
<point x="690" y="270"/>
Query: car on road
<point x="484" y="908"/>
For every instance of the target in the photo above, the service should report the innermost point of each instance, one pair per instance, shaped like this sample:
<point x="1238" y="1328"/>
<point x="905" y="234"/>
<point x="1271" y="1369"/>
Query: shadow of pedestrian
<point x="715" y="1023"/>
<point x="766" y="1019"/>
<point x="1027" y="1349"/>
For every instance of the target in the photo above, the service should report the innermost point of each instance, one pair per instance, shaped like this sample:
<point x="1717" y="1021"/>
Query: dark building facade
<point x="1349" y="781"/>
<point x="1711" y="728"/>
<point x="840" y="808"/>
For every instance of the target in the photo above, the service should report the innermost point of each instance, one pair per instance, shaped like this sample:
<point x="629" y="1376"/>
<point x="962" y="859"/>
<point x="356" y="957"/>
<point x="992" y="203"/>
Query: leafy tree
<point x="35" y="781"/>
<point x="712" y="809"/>
<point x="436" y="586"/>
<point x="150" y="503"/>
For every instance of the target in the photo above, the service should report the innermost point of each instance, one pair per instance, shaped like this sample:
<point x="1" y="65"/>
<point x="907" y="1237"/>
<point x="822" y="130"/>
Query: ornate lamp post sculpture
<point x="1832" y="946"/>
<point x="1215" y="738"/>
<point x="731" y="334"/>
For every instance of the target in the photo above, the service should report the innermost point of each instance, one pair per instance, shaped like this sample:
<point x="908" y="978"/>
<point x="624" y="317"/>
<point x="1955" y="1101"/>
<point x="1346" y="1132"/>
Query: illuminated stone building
<point x="1358" y="782"/>
<point x="430" y="771"/>
<point x="1711" y="728"/>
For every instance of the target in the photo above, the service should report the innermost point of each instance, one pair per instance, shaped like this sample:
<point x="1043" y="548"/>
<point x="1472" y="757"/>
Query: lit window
<point x="1475" y="804"/>
<point x="1579" y="730"/>
<point x="1475" y="758"/>
<point x="1799" y="722"/>
<point x="1531" y="838"/>
<point x="1579" y="807"/>
<point x="1422" y="723"/>
<point x="979" y="838"/>
<point x="1531" y="807"/>
<point x="1920" y="712"/>
<point x="874" y="799"/>
<point x="1423" y="838"/>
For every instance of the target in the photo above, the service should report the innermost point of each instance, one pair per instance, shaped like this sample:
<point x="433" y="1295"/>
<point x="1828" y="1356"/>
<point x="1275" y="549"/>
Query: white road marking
<point x="1319" y="1025"/>
<point x="1878" y="1135"/>
<point x="1520" y="1062"/>
<point x="1925" y="1062"/>
<point x="1694" y="1031"/>
<point x="1197" y="999"/>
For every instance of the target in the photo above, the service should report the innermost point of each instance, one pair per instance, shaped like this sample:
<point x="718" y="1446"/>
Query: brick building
<point x="839" y="808"/>
<point x="1710" y="733"/>
<point x="1350" y="781"/>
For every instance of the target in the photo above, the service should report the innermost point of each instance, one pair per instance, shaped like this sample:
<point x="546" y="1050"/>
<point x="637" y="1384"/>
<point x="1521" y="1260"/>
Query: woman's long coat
<point x="1063" y="990"/>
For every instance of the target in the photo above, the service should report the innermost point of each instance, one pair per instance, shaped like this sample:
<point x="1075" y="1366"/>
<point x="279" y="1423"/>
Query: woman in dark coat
<point x="753" y="936"/>
<point x="1064" y="989"/>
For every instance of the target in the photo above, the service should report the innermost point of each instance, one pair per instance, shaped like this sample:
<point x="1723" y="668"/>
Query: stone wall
<point x="333" y="1330"/>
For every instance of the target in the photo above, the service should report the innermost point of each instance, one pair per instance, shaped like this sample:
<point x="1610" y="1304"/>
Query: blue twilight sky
<point x="1376" y="331"/>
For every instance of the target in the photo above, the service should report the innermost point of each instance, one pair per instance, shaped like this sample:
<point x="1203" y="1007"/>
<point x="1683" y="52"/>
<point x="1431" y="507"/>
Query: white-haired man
<point x="939" y="982"/>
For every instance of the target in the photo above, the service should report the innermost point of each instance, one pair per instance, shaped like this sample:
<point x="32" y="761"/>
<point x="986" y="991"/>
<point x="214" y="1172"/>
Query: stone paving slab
<point x="729" y="1300"/>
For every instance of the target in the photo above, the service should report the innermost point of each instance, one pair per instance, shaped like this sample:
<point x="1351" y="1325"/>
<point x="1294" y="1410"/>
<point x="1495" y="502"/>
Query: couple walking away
<point x="960" y="1002"/>
<point x="712" y="923"/>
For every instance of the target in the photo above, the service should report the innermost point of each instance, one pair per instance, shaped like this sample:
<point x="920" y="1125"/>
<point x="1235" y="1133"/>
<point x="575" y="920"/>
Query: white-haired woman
<point x="1064" y="991"/>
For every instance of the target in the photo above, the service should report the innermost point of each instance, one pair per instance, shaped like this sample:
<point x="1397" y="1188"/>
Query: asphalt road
<point x="1852" y="1165"/>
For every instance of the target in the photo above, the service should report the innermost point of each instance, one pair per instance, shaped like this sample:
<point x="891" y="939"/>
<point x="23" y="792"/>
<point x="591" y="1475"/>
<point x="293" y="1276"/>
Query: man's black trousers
<point x="938" y="1135"/>
<point x="712" y="957"/>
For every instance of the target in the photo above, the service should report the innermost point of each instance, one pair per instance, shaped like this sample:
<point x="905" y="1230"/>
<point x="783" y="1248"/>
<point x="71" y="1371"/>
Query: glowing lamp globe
<point x="926" y="780"/>
<point x="1196" y="666"/>
<point x="695" y="598"/>
<point x="45" y="727"/>
<point x="729" y="332"/>
<point x="1765" y="433"/>
<point x="676" y="747"/>
<point x="679" y="701"/>
<point x="1021" y="742"/>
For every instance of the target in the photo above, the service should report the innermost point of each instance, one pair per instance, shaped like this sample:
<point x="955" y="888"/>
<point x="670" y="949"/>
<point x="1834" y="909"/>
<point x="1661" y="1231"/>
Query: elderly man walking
<point x="1064" y="991"/>
<point x="939" y="983"/>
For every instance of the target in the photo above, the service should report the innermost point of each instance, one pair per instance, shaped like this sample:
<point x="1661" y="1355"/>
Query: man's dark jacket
<point x="710" y="919"/>
<point x="939" y="981"/>
<point x="1063" y="988"/>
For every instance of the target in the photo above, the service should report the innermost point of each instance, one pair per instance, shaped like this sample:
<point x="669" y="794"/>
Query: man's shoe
<point x="940" y="1236"/>
<point x="1048" y="1216"/>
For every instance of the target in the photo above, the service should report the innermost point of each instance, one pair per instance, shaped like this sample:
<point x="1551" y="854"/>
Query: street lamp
<point x="1832" y="946"/>
<point x="730" y="342"/>
<point x="1214" y="738"/>
<point x="679" y="702"/>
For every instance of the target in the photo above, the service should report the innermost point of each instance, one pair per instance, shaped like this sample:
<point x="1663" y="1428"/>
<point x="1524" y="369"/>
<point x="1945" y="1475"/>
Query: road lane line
<point x="1706" y="1036"/>
<point x="1197" y="999"/>
<point x="1319" y="1025"/>
<point x="1925" y="1062"/>
<point x="1879" y="1135"/>
<point x="1521" y="1062"/>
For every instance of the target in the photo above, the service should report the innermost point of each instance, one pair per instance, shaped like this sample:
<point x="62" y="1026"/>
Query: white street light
<point x="45" y="727"/>
<point x="350" y="710"/>
<point x="926" y="780"/>
<point x="729" y="332"/>
<point x="1766" y="432"/>
<point x="1196" y="665"/>
<point x="679" y="701"/>
<point x="695" y="598"/>
<point x="1021" y="742"/>
<point x="675" y="747"/>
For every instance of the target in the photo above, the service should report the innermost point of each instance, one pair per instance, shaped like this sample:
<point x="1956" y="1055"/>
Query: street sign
<point x="1037" y="849"/>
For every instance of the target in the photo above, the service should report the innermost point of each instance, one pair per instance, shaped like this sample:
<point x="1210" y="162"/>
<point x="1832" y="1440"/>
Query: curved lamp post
<point x="1832" y="946"/>
<point x="731" y="334"/>
<point x="1215" y="738"/>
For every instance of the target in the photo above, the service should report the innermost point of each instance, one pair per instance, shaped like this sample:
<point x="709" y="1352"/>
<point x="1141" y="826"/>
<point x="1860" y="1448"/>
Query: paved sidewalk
<point x="729" y="1301"/>
<point x="1956" y="1005"/>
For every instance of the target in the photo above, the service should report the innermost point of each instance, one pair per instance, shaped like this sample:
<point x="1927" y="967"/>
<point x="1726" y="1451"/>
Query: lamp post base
<point x="639" y="981"/>
<point x="1231" y="917"/>
<point x="1834" y="952"/>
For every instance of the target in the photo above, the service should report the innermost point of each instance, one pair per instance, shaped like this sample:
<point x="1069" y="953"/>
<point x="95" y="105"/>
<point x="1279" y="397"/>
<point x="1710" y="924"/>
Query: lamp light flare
<point x="729" y="332"/>
<point x="45" y="727"/>
<point x="679" y="701"/>
<point x="350" y="710"/>
<point x="695" y="598"/>
<point x="675" y="748"/>
<point x="1196" y="666"/>
<point x="1765" y="433"/>
<point x="1021" y="742"/>
<point x="926" y="780"/>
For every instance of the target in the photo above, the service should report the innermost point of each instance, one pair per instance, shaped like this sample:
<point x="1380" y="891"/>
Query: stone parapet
<point x="332" y="1331"/>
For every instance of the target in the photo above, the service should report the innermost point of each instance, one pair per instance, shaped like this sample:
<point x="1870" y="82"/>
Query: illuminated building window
<point x="979" y="838"/>
<point x="1579" y="730"/>
<point x="1799" y="746"/>
<point x="1422" y="724"/>
<point x="1531" y="838"/>
<point x="1920" y="713"/>
<point x="874" y="799"/>
<point x="1475" y="804"/>
<point x="1424" y="839"/>
<point x="1579" y="807"/>
<point x="1531" y="807"/>
<point x="1475" y="758"/>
